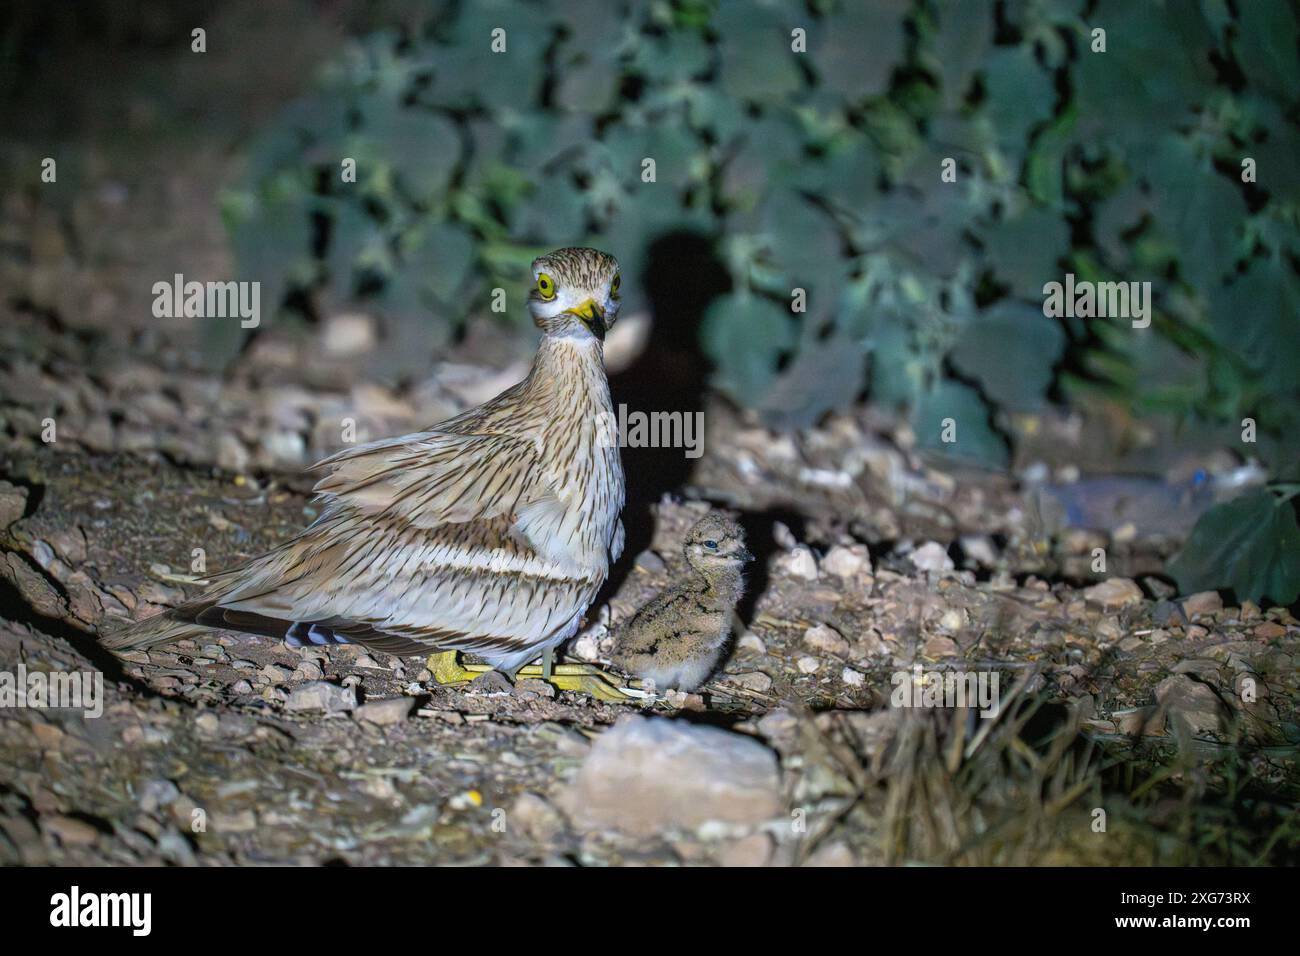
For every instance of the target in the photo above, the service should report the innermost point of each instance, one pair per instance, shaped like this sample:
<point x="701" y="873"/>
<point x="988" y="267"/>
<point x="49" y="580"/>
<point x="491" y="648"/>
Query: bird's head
<point x="575" y="292"/>
<point x="716" y="543"/>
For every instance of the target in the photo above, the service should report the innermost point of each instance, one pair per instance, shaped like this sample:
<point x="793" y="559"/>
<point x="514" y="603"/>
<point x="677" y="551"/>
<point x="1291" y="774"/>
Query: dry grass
<point x="1029" y="787"/>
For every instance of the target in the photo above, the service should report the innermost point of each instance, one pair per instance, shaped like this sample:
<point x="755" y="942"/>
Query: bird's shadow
<point x="683" y="276"/>
<point x="760" y="538"/>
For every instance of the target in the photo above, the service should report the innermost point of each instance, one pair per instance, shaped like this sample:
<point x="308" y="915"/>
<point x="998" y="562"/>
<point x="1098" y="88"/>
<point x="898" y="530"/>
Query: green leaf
<point x="422" y="147"/>
<point x="438" y="258"/>
<point x="307" y="129"/>
<point x="468" y="71"/>
<point x="673" y="148"/>
<point x="846" y="176"/>
<point x="553" y="213"/>
<point x="1045" y="165"/>
<point x="537" y="140"/>
<point x="1025" y="251"/>
<point x="769" y="151"/>
<point x="975" y="437"/>
<point x="1266" y="49"/>
<point x="754" y="42"/>
<point x="676" y="57"/>
<point x="1019" y="95"/>
<point x="745" y="336"/>
<point x="961" y="41"/>
<point x="1250" y="544"/>
<point x="824" y="376"/>
<point x="856" y="50"/>
<point x="804" y="246"/>
<point x="270" y="232"/>
<point x="1156" y="67"/>
<point x="411" y="330"/>
<point x="1255" y="316"/>
<point x="1010" y="349"/>
<point x="352" y="234"/>
<point x="1197" y="208"/>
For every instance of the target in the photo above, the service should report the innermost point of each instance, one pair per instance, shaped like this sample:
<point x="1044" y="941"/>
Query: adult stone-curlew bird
<point x="490" y="532"/>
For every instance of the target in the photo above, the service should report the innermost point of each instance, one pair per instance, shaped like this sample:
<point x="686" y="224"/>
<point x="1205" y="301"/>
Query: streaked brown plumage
<point x="679" y="638"/>
<point x="490" y="532"/>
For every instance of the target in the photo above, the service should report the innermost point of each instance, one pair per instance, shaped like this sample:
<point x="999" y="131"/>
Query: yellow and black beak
<point x="593" y="316"/>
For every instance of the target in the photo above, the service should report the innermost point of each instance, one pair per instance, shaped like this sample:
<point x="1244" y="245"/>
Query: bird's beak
<point x="745" y="554"/>
<point x="592" y="315"/>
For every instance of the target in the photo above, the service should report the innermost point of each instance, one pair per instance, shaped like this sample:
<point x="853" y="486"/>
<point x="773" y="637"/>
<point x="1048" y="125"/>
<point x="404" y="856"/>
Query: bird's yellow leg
<point x="584" y="678"/>
<point x="447" y="668"/>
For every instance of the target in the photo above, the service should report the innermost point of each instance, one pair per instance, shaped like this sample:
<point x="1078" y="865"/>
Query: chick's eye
<point x="711" y="545"/>
<point x="546" y="286"/>
<point x="613" y="286"/>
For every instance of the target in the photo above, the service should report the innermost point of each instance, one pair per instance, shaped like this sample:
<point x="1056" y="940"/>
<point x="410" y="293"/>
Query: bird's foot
<point x="447" y="668"/>
<point x="584" y="678"/>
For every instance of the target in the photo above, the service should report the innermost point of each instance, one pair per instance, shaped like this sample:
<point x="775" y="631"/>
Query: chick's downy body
<point x="490" y="532"/>
<point x="679" y="638"/>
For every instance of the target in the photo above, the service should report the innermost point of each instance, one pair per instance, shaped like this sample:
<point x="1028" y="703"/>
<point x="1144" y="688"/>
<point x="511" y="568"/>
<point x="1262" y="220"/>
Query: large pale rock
<point x="1192" y="704"/>
<point x="931" y="556"/>
<point x="384" y="713"/>
<point x="848" y="562"/>
<point x="649" y="774"/>
<point x="324" y="696"/>
<point x="1202" y="604"/>
<point x="798" y="564"/>
<point x="1113" y="594"/>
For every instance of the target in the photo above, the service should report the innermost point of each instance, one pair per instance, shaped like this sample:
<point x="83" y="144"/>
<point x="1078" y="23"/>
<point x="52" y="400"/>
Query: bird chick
<point x="677" y="640"/>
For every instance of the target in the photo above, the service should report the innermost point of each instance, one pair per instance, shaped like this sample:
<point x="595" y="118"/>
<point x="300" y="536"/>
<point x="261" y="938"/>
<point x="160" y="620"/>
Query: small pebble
<point x="754" y="680"/>
<point x="799" y="564"/>
<point x="848" y="562"/>
<point x="931" y="556"/>
<point x="826" y="639"/>
<point x="207" y="722"/>
<point x="157" y="793"/>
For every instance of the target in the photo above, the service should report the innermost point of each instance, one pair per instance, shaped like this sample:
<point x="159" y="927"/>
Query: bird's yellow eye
<point x="618" y="280"/>
<point x="545" y="286"/>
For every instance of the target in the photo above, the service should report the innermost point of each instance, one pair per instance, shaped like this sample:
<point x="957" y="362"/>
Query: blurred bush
<point x="821" y="171"/>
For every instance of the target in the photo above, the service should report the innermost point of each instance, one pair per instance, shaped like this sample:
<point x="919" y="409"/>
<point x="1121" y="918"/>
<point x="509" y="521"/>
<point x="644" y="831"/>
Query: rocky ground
<point x="1137" y="725"/>
<point x="1175" y="715"/>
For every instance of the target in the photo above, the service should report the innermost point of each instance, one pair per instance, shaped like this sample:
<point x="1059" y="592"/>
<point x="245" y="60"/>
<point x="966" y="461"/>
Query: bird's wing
<point x="424" y="542"/>
<point x="656" y="621"/>
<point x="399" y="589"/>
<point x="429" y="479"/>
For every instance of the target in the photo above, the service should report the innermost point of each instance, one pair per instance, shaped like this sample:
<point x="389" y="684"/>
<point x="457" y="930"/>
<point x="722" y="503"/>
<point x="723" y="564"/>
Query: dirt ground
<point x="1140" y="696"/>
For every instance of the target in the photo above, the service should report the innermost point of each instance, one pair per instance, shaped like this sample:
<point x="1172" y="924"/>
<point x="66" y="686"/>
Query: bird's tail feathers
<point x="160" y="629"/>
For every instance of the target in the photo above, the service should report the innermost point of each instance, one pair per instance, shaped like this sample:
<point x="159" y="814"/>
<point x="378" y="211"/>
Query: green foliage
<point x="820" y="171"/>
<point x="1250" y="544"/>
<point x="745" y="336"/>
